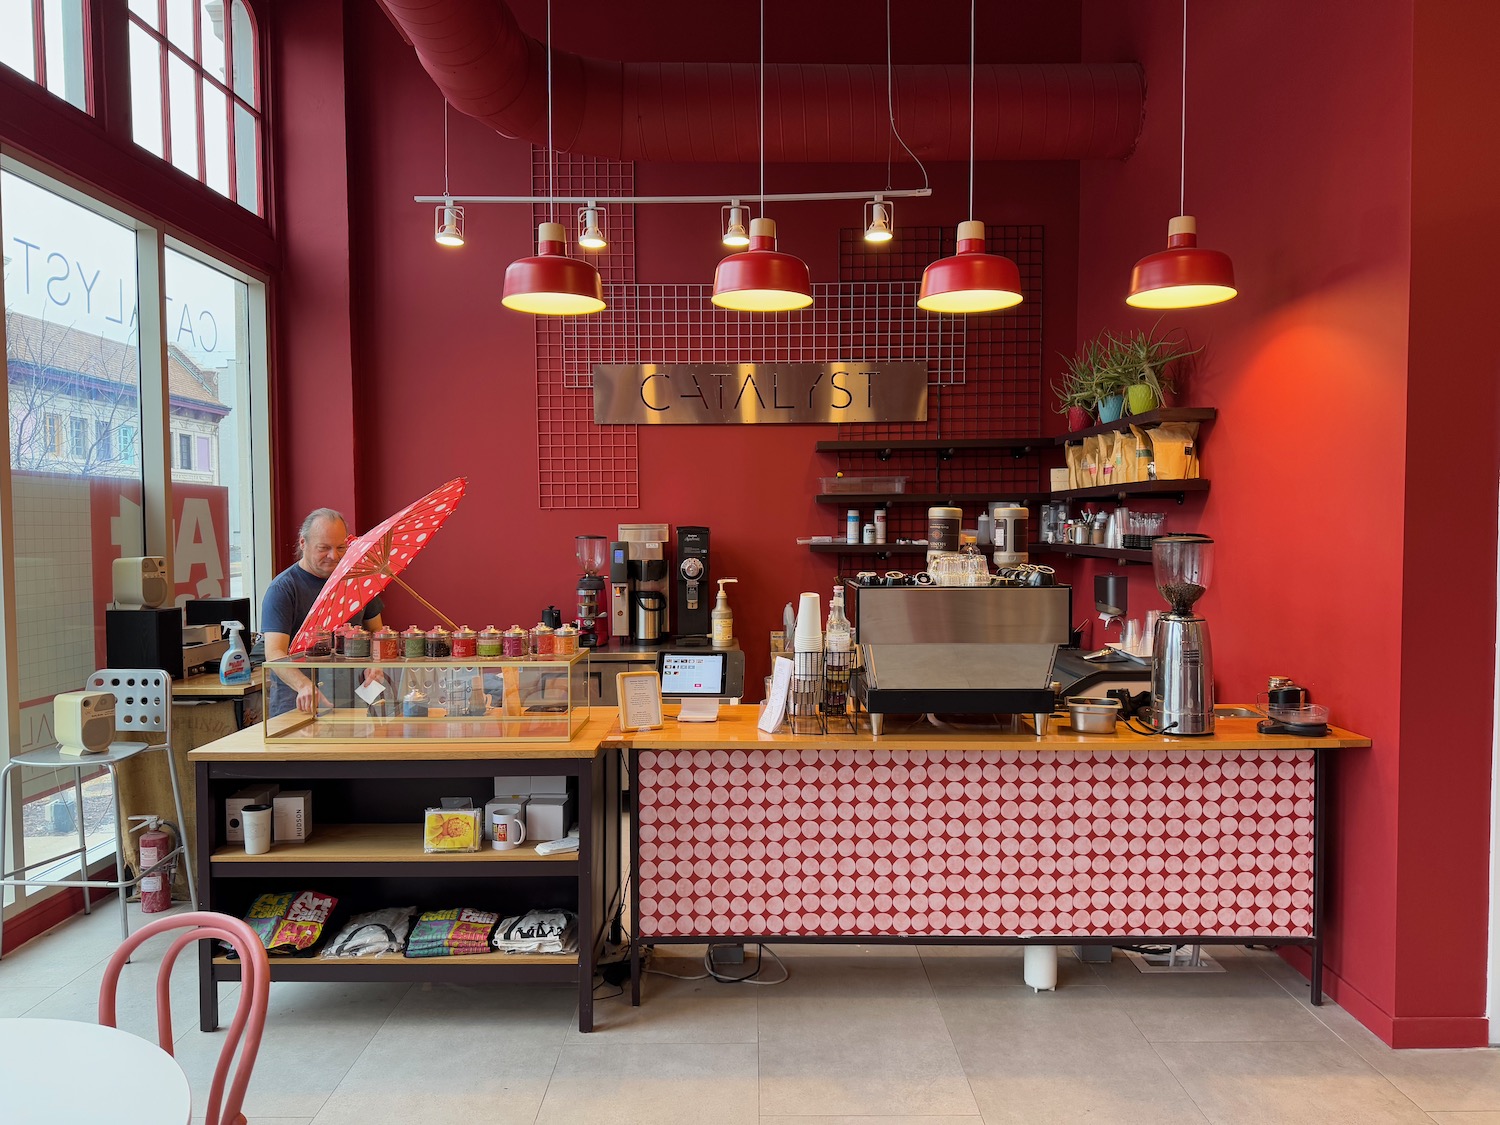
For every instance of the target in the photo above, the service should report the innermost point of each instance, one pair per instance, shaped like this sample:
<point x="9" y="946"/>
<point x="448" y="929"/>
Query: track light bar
<point x="601" y="200"/>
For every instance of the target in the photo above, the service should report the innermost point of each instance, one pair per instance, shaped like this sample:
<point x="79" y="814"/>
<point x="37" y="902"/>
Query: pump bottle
<point x="234" y="666"/>
<point x="721" y="620"/>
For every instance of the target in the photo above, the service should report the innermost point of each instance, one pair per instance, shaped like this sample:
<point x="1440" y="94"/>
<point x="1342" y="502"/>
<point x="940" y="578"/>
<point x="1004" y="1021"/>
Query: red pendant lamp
<point x="970" y="281"/>
<point x="762" y="279"/>
<point x="1184" y="275"/>
<point x="551" y="283"/>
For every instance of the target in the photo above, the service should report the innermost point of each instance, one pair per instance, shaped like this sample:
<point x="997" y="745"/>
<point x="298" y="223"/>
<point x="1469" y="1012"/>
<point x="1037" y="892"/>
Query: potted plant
<point x="1148" y="365"/>
<point x="1077" y="390"/>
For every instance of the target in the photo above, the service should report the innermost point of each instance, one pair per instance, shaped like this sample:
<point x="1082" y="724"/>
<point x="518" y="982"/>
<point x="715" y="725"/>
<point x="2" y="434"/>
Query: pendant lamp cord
<point x="973" y="23"/>
<point x="762" y="111"/>
<point x="551" y="155"/>
<point x="1182" y="140"/>
<point x="445" y="148"/>
<point x="890" y="108"/>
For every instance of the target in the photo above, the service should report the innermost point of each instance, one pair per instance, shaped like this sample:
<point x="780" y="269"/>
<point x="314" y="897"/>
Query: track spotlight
<point x="449" y="229"/>
<point x="879" y="216"/>
<point x="591" y="227"/>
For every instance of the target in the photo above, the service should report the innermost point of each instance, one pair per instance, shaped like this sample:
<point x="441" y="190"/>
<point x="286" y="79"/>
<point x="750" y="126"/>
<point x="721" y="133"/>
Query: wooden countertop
<point x="251" y="745"/>
<point x="736" y="730"/>
<point x="206" y="685"/>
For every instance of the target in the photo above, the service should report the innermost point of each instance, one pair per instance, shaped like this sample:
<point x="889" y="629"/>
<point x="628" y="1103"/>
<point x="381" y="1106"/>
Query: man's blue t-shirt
<point x="285" y="607"/>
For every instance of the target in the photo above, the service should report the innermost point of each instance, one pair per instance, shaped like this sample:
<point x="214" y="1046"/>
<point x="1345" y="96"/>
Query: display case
<point x="437" y="700"/>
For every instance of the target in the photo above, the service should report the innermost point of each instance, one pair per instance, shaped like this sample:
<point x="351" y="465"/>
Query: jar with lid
<point x="465" y="642"/>
<point x="514" y="641"/>
<point x="320" y="644"/>
<point x="488" y="642"/>
<point x="437" y="643"/>
<point x="339" y="633"/>
<point x="543" y="640"/>
<point x="565" y="640"/>
<point x="356" y="643"/>
<point x="385" y="644"/>
<point x="413" y="643"/>
<point x="414" y="704"/>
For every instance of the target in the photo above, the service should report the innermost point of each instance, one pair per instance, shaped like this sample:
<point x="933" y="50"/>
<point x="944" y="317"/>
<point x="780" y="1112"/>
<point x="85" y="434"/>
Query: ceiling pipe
<point x="683" y="112"/>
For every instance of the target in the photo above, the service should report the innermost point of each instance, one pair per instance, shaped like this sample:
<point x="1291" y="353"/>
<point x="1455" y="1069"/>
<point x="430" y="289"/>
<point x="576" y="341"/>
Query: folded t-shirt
<point x="372" y="933"/>
<point x="451" y="933"/>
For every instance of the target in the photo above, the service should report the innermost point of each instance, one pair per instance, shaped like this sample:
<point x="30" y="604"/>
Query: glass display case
<point x="438" y="700"/>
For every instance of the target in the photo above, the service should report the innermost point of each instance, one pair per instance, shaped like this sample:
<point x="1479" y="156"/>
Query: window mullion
<point x="39" y="41"/>
<point x="156" y="453"/>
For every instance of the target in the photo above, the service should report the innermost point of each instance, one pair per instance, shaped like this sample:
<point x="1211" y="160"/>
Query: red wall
<point x="1326" y="456"/>
<point x="445" y="378"/>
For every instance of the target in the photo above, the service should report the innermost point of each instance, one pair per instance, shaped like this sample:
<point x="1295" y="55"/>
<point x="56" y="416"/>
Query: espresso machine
<point x="694" y="590"/>
<point x="1182" y="666"/>
<point x="590" y="552"/>
<point x="647" y="587"/>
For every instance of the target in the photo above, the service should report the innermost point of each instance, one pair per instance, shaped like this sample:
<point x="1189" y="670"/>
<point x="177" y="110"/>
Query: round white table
<point x="62" y="1070"/>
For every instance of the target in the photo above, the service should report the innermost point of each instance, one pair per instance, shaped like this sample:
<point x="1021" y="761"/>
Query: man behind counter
<point x="320" y="545"/>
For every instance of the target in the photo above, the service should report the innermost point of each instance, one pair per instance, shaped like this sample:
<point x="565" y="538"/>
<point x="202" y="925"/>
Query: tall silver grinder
<point x="1182" y="665"/>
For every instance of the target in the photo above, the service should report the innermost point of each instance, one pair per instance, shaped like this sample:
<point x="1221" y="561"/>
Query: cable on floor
<point x="761" y="953"/>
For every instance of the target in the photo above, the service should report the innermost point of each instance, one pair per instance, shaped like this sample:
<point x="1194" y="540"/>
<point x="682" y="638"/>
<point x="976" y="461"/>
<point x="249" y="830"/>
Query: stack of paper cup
<point x="809" y="635"/>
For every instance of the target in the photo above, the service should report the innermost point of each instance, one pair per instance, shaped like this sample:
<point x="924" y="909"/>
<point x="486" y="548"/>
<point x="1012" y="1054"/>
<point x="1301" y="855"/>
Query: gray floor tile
<point x="673" y="1010"/>
<point x="970" y="966"/>
<point x="1463" y="1117"/>
<point x="1059" y="1057"/>
<point x="1467" y="1080"/>
<point x="18" y="999"/>
<point x="606" y="1083"/>
<point x="1288" y="1083"/>
<point x="882" y="1119"/>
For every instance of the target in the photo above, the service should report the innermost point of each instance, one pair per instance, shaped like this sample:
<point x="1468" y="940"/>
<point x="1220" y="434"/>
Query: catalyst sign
<point x="656" y="394"/>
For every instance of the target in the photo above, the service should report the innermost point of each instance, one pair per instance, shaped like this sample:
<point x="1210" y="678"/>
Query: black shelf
<point x="1150" y="418"/>
<point x="1148" y="488"/>
<point x="879" y="549"/>
<point x="1118" y="554"/>
<point x="885" y="448"/>
<point x="952" y="499"/>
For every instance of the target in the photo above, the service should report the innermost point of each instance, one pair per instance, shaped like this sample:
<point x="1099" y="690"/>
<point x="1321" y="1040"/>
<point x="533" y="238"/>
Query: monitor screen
<point x="692" y="673"/>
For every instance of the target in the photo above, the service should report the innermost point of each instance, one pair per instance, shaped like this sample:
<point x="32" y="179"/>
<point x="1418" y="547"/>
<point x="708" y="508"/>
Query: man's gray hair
<point x="313" y="517"/>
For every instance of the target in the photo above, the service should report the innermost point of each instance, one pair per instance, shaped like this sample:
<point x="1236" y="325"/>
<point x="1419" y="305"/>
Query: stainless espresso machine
<point x="1182" y="665"/>
<point x="642" y="596"/>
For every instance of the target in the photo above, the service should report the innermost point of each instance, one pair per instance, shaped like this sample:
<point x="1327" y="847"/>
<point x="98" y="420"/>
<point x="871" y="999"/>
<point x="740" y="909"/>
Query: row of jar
<point x="353" y="642"/>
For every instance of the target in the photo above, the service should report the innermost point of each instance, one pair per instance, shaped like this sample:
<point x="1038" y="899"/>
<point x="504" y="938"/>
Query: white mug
<point x="509" y="829"/>
<point x="257" y="821"/>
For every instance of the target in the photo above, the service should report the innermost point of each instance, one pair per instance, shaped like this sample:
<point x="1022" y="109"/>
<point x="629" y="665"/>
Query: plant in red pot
<point x="1077" y="389"/>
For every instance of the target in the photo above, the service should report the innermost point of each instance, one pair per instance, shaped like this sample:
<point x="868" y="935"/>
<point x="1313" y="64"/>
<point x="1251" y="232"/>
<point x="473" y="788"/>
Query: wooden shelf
<point x="335" y="847"/>
<point x="1150" y="418"/>
<point x="1118" y="554"/>
<point x="886" y="447"/>
<point x="392" y="960"/>
<point x="1146" y="488"/>
<point x="947" y="498"/>
<point x="878" y="549"/>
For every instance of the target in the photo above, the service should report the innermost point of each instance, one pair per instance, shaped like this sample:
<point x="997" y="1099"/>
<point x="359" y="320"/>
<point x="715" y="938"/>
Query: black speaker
<point x="211" y="611"/>
<point x="144" y="638"/>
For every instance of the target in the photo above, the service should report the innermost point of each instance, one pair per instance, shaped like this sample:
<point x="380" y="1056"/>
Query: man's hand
<point x="309" y="698"/>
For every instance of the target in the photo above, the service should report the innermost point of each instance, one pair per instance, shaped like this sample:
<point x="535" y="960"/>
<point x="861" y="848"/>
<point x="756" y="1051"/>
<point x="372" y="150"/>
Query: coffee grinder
<point x="1182" y="666"/>
<point x="694" y="589"/>
<point x="590" y="550"/>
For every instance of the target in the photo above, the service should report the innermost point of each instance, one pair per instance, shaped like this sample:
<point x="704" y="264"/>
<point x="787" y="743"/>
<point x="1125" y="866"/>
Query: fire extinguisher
<point x="156" y="845"/>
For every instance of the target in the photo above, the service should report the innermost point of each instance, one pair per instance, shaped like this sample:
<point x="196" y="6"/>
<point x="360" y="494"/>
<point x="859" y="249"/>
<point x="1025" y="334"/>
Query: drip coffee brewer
<point x="591" y="552"/>
<point x="1182" y="669"/>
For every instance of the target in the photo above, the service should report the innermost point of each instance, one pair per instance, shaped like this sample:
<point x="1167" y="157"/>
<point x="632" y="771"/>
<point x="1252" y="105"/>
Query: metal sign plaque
<point x="657" y="394"/>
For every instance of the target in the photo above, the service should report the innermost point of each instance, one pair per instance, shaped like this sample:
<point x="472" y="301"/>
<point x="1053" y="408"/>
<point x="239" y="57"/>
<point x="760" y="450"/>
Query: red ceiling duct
<point x="706" y="112"/>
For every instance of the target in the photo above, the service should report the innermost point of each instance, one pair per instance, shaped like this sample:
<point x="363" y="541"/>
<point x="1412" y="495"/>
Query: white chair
<point x="143" y="703"/>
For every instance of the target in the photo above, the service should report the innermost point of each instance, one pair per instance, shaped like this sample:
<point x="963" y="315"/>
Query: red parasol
<point x="375" y="558"/>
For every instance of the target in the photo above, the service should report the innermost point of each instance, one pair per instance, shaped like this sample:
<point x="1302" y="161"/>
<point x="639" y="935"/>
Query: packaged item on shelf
<point x="290" y="923"/>
<point x="451" y="933"/>
<point x="372" y="933"/>
<point x="1089" y="463"/>
<point x="1174" y="447"/>
<point x="452" y="830"/>
<point x="291" y="816"/>
<point x="1074" y="453"/>
<point x="1141" y="465"/>
<point x="538" y="931"/>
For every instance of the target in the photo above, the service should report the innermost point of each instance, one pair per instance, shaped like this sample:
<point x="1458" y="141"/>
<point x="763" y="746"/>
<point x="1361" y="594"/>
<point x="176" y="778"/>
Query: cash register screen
<point x="692" y="673"/>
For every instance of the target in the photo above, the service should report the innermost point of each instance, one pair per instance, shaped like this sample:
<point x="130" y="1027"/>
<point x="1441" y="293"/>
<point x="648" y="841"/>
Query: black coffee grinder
<point x="694" y="589"/>
<point x="591" y="551"/>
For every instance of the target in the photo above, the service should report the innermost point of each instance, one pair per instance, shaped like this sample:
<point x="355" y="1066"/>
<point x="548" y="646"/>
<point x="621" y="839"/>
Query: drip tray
<point x="956" y="679"/>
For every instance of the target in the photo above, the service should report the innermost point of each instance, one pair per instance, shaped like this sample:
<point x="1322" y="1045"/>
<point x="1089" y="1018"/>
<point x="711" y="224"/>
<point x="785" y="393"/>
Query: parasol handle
<point x="434" y="609"/>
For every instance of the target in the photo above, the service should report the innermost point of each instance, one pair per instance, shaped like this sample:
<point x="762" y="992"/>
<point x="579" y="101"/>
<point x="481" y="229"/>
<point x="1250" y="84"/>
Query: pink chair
<point x="249" y="1014"/>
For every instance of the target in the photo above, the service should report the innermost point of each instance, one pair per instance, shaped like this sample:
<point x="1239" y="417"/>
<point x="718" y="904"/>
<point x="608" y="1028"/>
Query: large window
<point x="48" y="50"/>
<point x="193" y="89"/>
<point x="117" y="446"/>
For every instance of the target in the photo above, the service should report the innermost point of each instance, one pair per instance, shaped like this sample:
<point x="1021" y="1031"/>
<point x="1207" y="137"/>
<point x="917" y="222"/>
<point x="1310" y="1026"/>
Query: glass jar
<point x="438" y="643"/>
<point x="514" y="642"/>
<point x="339" y="634"/>
<point x="320" y="643"/>
<point x="414" y="643"/>
<point x="356" y="643"/>
<point x="414" y="704"/>
<point x="385" y="645"/>
<point x="465" y="642"/>
<point x="489" y="642"/>
<point x="543" y="640"/>
<point x="565" y="640"/>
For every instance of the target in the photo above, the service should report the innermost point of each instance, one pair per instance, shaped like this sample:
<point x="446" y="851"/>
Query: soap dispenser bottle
<point x="721" y="620"/>
<point x="234" y="665"/>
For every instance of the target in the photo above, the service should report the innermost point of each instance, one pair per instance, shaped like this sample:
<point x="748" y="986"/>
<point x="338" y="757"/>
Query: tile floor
<point x="881" y="1035"/>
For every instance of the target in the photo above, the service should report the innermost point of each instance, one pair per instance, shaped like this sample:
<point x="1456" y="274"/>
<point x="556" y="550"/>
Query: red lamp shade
<point x="970" y="281"/>
<point x="552" y="284"/>
<point x="761" y="279"/>
<point x="1184" y="275"/>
